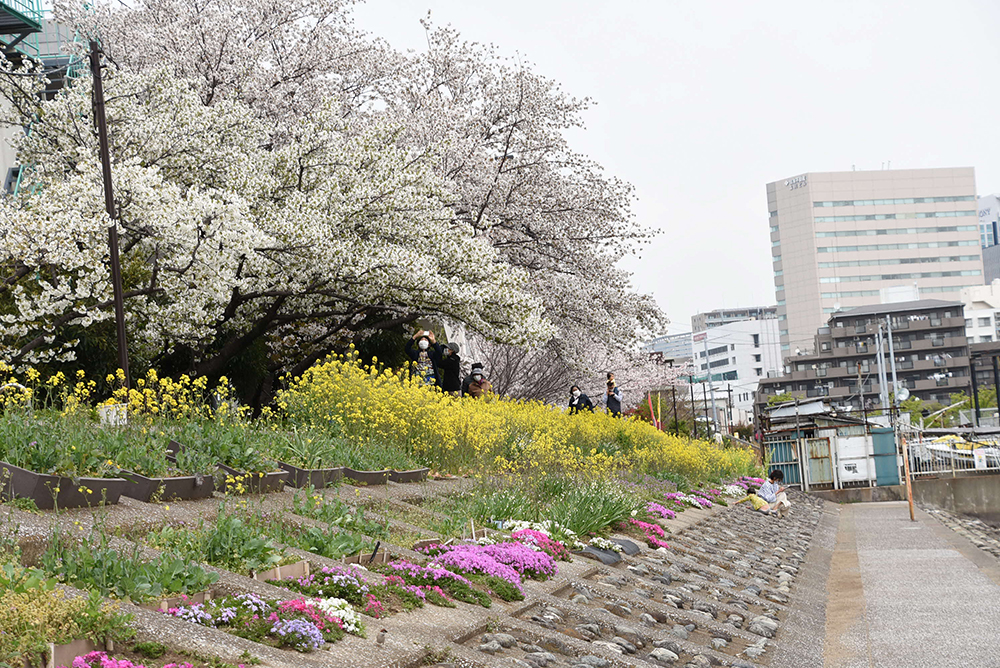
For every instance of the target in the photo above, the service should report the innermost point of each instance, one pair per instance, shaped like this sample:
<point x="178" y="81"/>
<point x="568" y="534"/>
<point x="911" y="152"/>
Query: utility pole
<point x="109" y="203"/>
<point x="729" y="418"/>
<point x="694" y="416"/>
<point x="861" y="389"/>
<point x="708" y="422"/>
<point x="892" y="365"/>
<point x="882" y="380"/>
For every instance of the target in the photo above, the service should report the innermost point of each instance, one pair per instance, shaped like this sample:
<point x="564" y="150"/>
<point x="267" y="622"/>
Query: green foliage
<point x="52" y="444"/>
<point x="780" y="398"/>
<point x="504" y="589"/>
<point x="233" y="442"/>
<point x="93" y="564"/>
<point x="590" y="508"/>
<point x="308" y="503"/>
<point x="150" y="649"/>
<point x="231" y="543"/>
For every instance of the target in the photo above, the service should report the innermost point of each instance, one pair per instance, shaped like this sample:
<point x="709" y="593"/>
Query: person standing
<point x="578" y="401"/>
<point x="450" y="365"/>
<point x="613" y="397"/>
<point x="479" y="385"/>
<point x="774" y="493"/>
<point x="423" y="353"/>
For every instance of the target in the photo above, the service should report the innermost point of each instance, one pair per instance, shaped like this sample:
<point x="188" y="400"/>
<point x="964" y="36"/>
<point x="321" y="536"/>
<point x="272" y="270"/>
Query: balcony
<point x="20" y="17"/>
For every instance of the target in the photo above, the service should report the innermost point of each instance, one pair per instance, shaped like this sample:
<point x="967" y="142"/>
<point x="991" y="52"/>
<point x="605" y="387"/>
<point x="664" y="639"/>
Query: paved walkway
<point x="910" y="594"/>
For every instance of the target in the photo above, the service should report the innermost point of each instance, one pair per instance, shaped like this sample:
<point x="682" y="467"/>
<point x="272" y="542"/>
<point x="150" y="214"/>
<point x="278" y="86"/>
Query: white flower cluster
<point x="605" y="544"/>
<point x="734" y="491"/>
<point x="338" y="607"/>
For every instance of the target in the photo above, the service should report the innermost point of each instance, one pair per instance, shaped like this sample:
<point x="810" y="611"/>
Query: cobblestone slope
<point x="720" y="596"/>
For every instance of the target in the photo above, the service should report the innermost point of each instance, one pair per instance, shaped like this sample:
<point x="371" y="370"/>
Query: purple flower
<point x="298" y="634"/>
<point x="662" y="511"/>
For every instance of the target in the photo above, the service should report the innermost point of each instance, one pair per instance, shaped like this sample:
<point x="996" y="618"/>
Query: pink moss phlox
<point x="553" y="548"/>
<point x="657" y="509"/>
<point x="653" y="532"/>
<point x="102" y="660"/>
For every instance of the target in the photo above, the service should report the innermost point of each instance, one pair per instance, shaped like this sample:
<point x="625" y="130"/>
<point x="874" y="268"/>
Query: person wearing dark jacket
<point x="468" y="379"/>
<point x="578" y="401"/>
<point x="614" y="399"/>
<point x="449" y="366"/>
<point x="424" y="354"/>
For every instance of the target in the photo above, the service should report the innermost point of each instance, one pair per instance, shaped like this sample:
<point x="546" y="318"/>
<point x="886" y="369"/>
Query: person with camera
<point x="424" y="353"/>
<point x="613" y="397"/>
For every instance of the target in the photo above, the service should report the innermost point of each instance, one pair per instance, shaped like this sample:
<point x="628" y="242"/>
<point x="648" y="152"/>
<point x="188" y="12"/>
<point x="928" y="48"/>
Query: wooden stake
<point x="906" y="470"/>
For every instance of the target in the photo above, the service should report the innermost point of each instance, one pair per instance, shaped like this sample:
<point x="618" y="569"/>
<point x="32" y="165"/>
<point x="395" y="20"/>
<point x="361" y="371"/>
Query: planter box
<point x="63" y="655"/>
<point x="21" y="483"/>
<point x="165" y="604"/>
<point x="182" y="488"/>
<point x="318" y="478"/>
<point x="416" y="475"/>
<point x="299" y="569"/>
<point x="381" y="557"/>
<point x="367" y="477"/>
<point x="254" y="483"/>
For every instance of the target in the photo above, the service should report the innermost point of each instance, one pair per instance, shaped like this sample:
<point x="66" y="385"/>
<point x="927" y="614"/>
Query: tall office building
<point x="841" y="240"/>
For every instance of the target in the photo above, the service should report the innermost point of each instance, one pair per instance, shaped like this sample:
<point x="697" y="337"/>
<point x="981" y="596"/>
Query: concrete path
<point x="911" y="594"/>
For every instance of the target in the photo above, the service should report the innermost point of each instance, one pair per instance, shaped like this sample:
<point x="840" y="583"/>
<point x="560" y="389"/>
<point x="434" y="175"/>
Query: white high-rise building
<point x="839" y="238"/>
<point x="739" y="355"/>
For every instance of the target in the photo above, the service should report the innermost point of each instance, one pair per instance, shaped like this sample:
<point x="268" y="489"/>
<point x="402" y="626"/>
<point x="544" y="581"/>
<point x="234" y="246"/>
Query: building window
<point x="756" y="358"/>
<point x="756" y="340"/>
<point x="883" y="247"/>
<point x="985" y="339"/>
<point x="968" y="323"/>
<point x="825" y="345"/>
<point x="894" y="216"/>
<point x="985" y="322"/>
<point x="897" y="200"/>
<point x="759" y="371"/>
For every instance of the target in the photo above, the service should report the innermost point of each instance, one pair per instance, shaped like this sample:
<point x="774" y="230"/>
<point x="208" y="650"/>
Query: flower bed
<point x="456" y="586"/>
<point x="538" y="540"/>
<point x="95" y="565"/>
<point x="654" y="534"/>
<point x="659" y="510"/>
<point x="102" y="660"/>
<point x="36" y="614"/>
<point x="349" y="585"/>
<point x="300" y="624"/>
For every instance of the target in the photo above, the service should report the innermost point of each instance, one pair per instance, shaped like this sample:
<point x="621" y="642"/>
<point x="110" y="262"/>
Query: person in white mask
<point x="578" y="401"/>
<point x="424" y="354"/>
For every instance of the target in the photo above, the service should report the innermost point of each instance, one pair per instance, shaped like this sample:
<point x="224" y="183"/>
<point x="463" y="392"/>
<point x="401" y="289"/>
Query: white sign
<point x="980" y="458"/>
<point x="796" y="182"/>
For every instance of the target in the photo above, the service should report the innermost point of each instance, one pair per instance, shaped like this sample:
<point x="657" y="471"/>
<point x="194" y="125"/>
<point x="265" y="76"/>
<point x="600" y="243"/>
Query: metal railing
<point x="942" y="457"/>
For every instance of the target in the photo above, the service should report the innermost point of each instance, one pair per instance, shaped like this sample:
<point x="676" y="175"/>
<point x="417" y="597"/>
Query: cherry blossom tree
<point x="285" y="179"/>
<point x="227" y="239"/>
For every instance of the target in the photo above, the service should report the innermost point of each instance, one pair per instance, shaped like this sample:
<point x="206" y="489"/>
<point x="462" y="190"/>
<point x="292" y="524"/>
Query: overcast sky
<point x="700" y="104"/>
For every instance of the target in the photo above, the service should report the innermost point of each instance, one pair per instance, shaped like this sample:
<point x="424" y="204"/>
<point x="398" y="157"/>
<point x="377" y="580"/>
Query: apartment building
<point x="929" y="343"/>
<point x="840" y="240"/>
